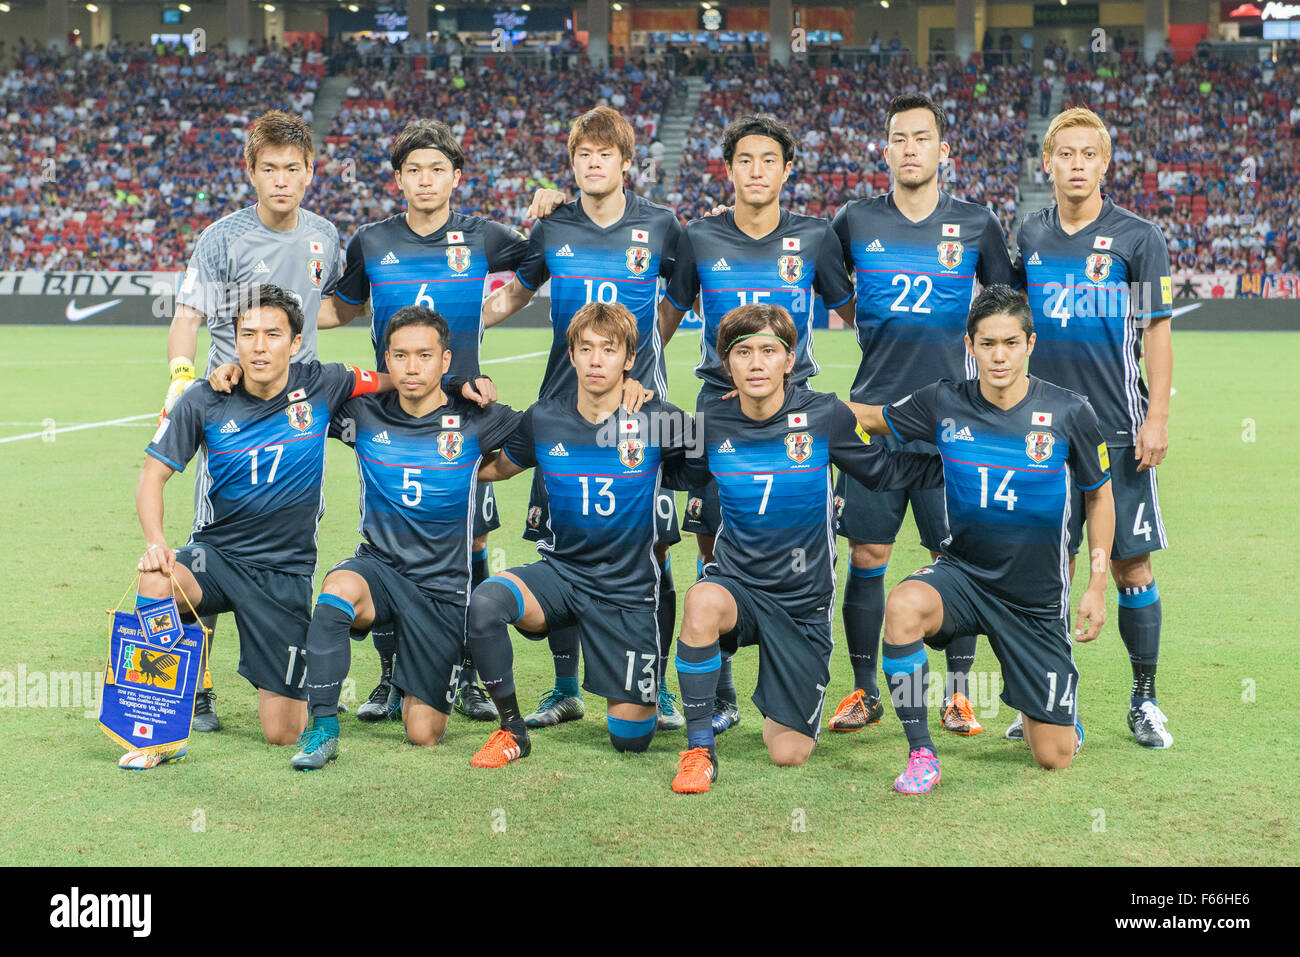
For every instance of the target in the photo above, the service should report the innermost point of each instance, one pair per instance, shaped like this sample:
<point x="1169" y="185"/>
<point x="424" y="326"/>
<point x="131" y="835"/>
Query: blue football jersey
<point x="602" y="483"/>
<point x="588" y="263"/>
<point x="790" y="266"/>
<point x="1007" y="482"/>
<point x="777" y="494"/>
<point x="261" y="500"/>
<point x="914" y="283"/>
<point x="1093" y="294"/>
<point x="418" y="479"/>
<point x="394" y="267"/>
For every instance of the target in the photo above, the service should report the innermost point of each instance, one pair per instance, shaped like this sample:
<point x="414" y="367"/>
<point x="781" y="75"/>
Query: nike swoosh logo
<point x="76" y="315"/>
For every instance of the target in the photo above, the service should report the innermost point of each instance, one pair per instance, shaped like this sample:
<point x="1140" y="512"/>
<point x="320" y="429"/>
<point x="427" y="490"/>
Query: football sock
<point x="907" y="669"/>
<point x="697" y="677"/>
<point x="329" y="725"/>
<point x="478" y="573"/>
<point x="667" y="616"/>
<point x="1139" y="628"/>
<point x="329" y="654"/>
<point x="564" y="642"/>
<point x="961" y="658"/>
<point x="631" y="736"/>
<point x="699" y="568"/>
<point x="386" y="645"/>
<point x="864" y="613"/>
<point x="494" y="604"/>
<point x="726" y="686"/>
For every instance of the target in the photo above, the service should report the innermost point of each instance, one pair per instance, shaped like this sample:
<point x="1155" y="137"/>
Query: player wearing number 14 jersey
<point x="1099" y="283"/>
<point x="915" y="254"/>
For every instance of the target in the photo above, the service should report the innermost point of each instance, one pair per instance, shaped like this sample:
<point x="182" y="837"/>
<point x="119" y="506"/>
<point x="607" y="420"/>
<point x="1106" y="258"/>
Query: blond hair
<point x="1076" y="116"/>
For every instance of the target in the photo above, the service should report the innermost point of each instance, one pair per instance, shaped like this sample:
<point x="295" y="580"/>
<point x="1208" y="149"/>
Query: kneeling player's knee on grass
<point x="424" y="731"/>
<point x="785" y="755"/>
<point x="631" y="736"/>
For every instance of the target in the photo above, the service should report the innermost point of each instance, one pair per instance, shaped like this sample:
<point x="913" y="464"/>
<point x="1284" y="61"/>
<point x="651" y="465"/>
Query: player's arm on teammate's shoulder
<point x="682" y="452"/>
<point x="335" y="312"/>
<point x="545" y="201"/>
<point x="478" y="389"/>
<point x="1153" y="437"/>
<point x="872" y="464"/>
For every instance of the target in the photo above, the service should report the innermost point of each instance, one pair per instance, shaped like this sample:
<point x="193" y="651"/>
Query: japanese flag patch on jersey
<point x="796" y="420"/>
<point x="451" y="421"/>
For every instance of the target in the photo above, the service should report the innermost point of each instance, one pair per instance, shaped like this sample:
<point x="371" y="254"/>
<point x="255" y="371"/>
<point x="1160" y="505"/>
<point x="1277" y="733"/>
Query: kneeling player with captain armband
<point x="772" y="579"/>
<point x="1012" y="446"/>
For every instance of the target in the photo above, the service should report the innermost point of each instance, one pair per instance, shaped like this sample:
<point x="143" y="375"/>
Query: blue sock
<point x="864" y="613"/>
<point x="1139" y="628"/>
<point x="568" y="686"/>
<point x="330" y="725"/>
<point x="907" y="669"/>
<point x="699" y="568"/>
<point x="630" y="736"/>
<point x="697" y="677"/>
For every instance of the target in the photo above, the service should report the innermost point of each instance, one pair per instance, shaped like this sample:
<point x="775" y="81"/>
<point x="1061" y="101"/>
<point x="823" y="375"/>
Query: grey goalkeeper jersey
<point x="238" y="251"/>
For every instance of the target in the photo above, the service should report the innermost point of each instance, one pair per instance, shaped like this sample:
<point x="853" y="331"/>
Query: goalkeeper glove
<point x="182" y="375"/>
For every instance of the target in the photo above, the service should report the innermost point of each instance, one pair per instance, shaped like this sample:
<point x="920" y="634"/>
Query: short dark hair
<point x="265" y="294"/>
<point x="278" y="128"/>
<point x="916" y="101"/>
<point x="418" y="316"/>
<point x="764" y="124"/>
<point x="752" y="320"/>
<point x="1000" y="300"/>
<point x="423" y="135"/>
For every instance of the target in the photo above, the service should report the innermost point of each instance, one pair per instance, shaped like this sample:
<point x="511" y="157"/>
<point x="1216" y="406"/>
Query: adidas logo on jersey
<point x="261" y="266"/>
<point x="382" y="438"/>
<point x="389" y="260"/>
<point x="559" y="449"/>
<point x="963" y="435"/>
<point x="229" y="428"/>
<point x="565" y="250"/>
<point x="1034" y="260"/>
<point x="721" y="266"/>
<point x="875" y="246"/>
<point x="726" y="446"/>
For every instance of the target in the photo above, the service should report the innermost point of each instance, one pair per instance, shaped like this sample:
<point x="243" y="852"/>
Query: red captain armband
<point x="364" y="381"/>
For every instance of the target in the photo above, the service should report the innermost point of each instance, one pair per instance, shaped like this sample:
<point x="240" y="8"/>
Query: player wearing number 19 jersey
<point x="429" y="256"/>
<point x="1014" y="450"/>
<point x="915" y="254"/>
<point x="1099" y="283"/>
<point x="757" y="253"/>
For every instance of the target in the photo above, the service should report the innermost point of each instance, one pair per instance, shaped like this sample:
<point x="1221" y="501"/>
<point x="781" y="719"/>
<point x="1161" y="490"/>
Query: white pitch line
<point x="526" y="355"/>
<point x="78" y="428"/>
<point x="82" y="362"/>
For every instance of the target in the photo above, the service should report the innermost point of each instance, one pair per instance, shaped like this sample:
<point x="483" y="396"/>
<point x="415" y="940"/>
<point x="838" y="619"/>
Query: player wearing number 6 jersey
<point x="1099" y="283"/>
<point x="598" y="575"/>
<point x="434" y="257"/>
<point x="418" y="451"/>
<point x="1014" y="449"/>
<point x="915" y="255"/>
<point x="253" y="548"/>
<point x="772" y="580"/>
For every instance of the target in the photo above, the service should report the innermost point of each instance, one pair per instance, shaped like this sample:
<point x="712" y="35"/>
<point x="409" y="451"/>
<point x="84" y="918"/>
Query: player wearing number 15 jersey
<point x="253" y="548"/>
<point x="434" y="257"/>
<point x="1099" y="283"/>
<point x="1014" y="450"/>
<point x="756" y="253"/>
<point x="915" y="255"/>
<point x="418" y="451"/>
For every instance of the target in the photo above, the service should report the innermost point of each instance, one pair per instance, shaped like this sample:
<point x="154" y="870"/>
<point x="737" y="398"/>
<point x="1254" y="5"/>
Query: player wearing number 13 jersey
<point x="1099" y="283"/>
<point x="253" y="548"/>
<point x="1014" y="450"/>
<point x="915" y="254"/>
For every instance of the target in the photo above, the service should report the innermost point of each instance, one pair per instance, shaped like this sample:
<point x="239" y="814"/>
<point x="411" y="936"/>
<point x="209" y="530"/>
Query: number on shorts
<point x="293" y="658"/>
<point x="1067" y="699"/>
<point x="815" y="718"/>
<point x="489" y="504"/>
<point x="455" y="684"/>
<point x="1140" y="527"/>
<point x="647" y="684"/>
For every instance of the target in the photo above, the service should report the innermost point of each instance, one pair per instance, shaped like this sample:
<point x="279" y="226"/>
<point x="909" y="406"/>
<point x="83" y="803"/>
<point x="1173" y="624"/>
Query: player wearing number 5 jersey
<point x="1014" y="450"/>
<point x="772" y="581"/>
<point x="915" y="255"/>
<point x="598" y="575"/>
<point x="253" y="548"/>
<point x="1099" y="283"/>
<point x="418" y="451"/>
<point x="434" y="257"/>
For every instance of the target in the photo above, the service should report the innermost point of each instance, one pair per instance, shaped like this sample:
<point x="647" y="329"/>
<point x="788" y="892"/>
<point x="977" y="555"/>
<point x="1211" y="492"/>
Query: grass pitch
<point x="1225" y="793"/>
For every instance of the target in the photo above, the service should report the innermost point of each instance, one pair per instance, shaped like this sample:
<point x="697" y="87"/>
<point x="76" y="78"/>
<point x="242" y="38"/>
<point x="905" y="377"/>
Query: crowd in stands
<point x="116" y="158"/>
<point x="1207" y="149"/>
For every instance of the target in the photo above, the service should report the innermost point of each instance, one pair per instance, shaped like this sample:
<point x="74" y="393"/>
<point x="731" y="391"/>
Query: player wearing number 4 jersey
<point x="253" y="548"/>
<point x="1014" y="449"/>
<point x="598" y="574"/>
<point x="418" y="451"/>
<point x="609" y="245"/>
<point x="434" y="257"/>
<point x="772" y="580"/>
<point x="1099" y="283"/>
<point x="915" y="254"/>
